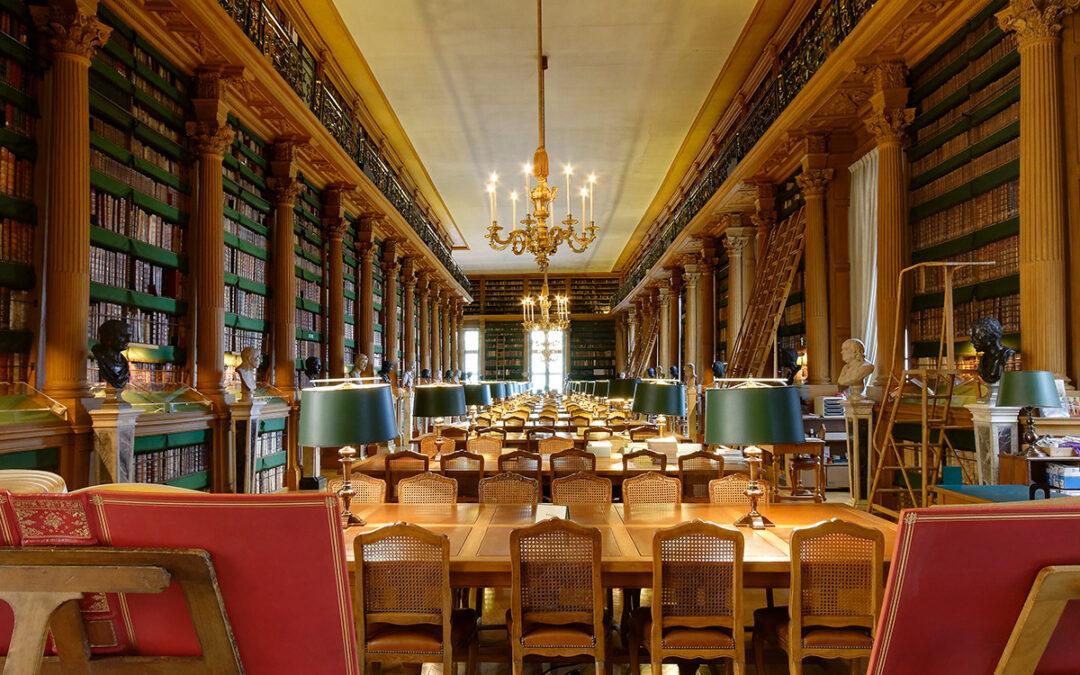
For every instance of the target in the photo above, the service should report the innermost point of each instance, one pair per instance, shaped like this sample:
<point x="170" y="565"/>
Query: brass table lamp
<point x="1029" y="389"/>
<point x="439" y="401"/>
<point x="660" y="398"/>
<point x="477" y="395"/>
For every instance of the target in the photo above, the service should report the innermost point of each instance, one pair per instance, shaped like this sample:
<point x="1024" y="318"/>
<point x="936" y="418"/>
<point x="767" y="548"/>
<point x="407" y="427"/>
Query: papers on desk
<point x="546" y="511"/>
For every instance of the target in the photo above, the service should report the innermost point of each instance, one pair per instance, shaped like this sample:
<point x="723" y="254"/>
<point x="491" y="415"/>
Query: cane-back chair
<point x="547" y="446"/>
<point x="581" y="488"/>
<point x="732" y="489"/>
<point x="526" y="463"/>
<point x="481" y="444"/>
<point x="651" y="488"/>
<point x="467" y="468"/>
<point x="695" y="472"/>
<point x="641" y="461"/>
<point x="399" y="465"/>
<point x="643" y="431"/>
<point x="367" y="489"/>
<point x="566" y="462"/>
<point x="427" y="488"/>
<point x="509" y="488"/>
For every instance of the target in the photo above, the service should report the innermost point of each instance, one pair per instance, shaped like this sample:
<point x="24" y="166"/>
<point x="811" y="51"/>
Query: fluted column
<point x="1043" y="276"/>
<point x="887" y="121"/>
<point x="284" y="189"/>
<point x="664" y="339"/>
<point x="391" y="267"/>
<point x="706" y="311"/>
<point x="437" y="295"/>
<point x="631" y="331"/>
<point x="365" y="325"/>
<point x="445" y="351"/>
<point x="408" y="278"/>
<point x="692" y="328"/>
<point x="739" y="244"/>
<point x="335" y="226"/>
<point x="423" y="287"/>
<point x="813" y="183"/>
<point x="73" y="36"/>
<point x="675" y="320"/>
<point x="455" y="336"/>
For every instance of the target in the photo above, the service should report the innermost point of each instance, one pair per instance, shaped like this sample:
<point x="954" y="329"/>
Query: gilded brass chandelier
<point x="545" y="320"/>
<point x="537" y="237"/>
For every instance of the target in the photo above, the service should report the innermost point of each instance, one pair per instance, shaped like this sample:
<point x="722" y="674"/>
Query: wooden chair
<point x="547" y="419"/>
<point x="484" y="444"/>
<point x="433" y="446"/>
<point x="695" y="472"/>
<point x="641" y="461"/>
<point x="402" y="602"/>
<point x="556" y="600"/>
<point x="509" y="488"/>
<point x="578" y="421"/>
<point x="467" y="468"/>
<point x="566" y="462"/>
<point x="526" y="463"/>
<point x="697" y="571"/>
<point x="548" y="446"/>
<point x="491" y="432"/>
<point x="732" y="489"/>
<point x="581" y="488"/>
<point x="31" y="481"/>
<point x="455" y="432"/>
<point x="369" y="489"/>
<point x="598" y="433"/>
<point x="513" y="424"/>
<point x="642" y="432"/>
<point x="427" y="488"/>
<point x="536" y="434"/>
<point x="836" y="592"/>
<point x="651" y="488"/>
<point x="484" y="420"/>
<point x="398" y="465"/>
<point x="615" y="424"/>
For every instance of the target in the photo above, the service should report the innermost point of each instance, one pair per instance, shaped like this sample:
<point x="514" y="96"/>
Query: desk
<point x="480" y="534"/>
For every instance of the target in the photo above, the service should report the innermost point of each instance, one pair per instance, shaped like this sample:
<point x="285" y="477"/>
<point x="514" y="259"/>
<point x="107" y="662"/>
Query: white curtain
<point x="862" y="243"/>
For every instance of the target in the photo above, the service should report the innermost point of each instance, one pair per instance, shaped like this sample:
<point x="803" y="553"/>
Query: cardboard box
<point x="1064" y="476"/>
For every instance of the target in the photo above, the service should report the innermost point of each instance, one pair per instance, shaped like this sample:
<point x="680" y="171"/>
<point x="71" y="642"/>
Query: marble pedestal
<point x="996" y="431"/>
<point x="859" y="423"/>
<point x="244" y="416"/>
<point x="114" y="443"/>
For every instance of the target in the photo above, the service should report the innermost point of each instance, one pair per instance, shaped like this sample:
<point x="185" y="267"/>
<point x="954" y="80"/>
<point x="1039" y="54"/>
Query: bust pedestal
<point x="859" y="421"/>
<point x="996" y="431"/>
<point x="114" y="443"/>
<point x="244" y="416"/>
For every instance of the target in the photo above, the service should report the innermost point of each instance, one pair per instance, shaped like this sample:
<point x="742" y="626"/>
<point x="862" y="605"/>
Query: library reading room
<point x="540" y="337"/>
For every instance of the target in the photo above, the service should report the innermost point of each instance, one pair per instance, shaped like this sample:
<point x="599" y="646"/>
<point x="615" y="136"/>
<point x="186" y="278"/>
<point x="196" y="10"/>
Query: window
<point x="547" y="368"/>
<point x="472" y="353"/>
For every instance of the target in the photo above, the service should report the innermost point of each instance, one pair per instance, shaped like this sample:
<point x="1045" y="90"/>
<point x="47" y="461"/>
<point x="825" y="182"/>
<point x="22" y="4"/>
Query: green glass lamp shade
<point x="478" y="394"/>
<point x="753" y="416"/>
<point x="601" y="388"/>
<point x="660" y="398"/>
<point x="346" y="415"/>
<point x="1028" y="388"/>
<point x="498" y="390"/>
<point x="622" y="389"/>
<point x="439" y="400"/>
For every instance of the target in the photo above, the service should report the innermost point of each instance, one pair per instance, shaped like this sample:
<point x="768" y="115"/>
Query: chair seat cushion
<point x="680" y="637"/>
<point x="557" y="635"/>
<point x="385" y="638"/>
<point x="775" y="623"/>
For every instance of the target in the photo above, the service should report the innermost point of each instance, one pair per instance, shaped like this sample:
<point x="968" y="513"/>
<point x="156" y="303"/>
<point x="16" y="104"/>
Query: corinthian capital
<point x="284" y="190"/>
<point x="814" y="181"/>
<point x="1035" y="19"/>
<point x="209" y="138"/>
<point x="885" y="75"/>
<point x="888" y="125"/>
<point x="69" y="31"/>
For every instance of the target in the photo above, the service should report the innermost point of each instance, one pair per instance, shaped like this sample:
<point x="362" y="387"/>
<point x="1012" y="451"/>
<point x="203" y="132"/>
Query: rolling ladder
<point x="646" y="341"/>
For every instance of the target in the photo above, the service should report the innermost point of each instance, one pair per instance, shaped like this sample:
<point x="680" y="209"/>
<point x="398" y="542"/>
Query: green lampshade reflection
<point x="439" y="400"/>
<point x="346" y="415"/>
<point x="1028" y="388"/>
<point x="477" y="394"/>
<point x="622" y="389"/>
<point x="660" y="398"/>
<point x="753" y="416"/>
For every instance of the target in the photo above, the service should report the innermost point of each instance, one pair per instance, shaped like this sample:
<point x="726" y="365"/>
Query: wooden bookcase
<point x="351" y="282"/>
<point x="591" y="350"/>
<point x="965" y="172"/>
<point x="504" y="350"/>
<point x="791" y="334"/>
<point x="270" y="456"/>
<point x="181" y="458"/>
<point x="720" y="296"/>
<point x="309" y="256"/>
<point x="592" y="295"/>
<point x="378" y="287"/>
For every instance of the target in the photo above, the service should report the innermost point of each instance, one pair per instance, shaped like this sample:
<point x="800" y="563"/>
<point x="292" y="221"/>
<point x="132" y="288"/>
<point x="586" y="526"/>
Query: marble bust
<point x="360" y="366"/>
<point x="994" y="356"/>
<point x="313" y="367"/>
<point x="246" y="372"/>
<point x="856" y="368"/>
<point x="386" y="370"/>
<point x="113" y="338"/>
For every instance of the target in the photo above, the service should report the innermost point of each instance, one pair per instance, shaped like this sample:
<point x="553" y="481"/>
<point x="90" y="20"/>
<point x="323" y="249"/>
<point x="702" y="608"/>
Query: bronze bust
<point x="986" y="338"/>
<point x="113" y="337"/>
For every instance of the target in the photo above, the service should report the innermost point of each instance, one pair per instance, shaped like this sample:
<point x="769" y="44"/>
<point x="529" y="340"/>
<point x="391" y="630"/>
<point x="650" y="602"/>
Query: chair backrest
<point x="539" y="431"/>
<point x="520" y="461"/>
<point x="434" y="445"/>
<point x="547" y="418"/>
<point x="836" y="576"/>
<point x="427" y="488"/>
<point x="484" y="444"/>
<point x="31" y="481"/>
<point x="467" y="468"/>
<point x="697" y="579"/>
<point x="641" y="461"/>
<point x="581" y="488"/>
<point x="566" y="462"/>
<point x="513" y="424"/>
<point x="398" y="465"/>
<point x="641" y="432"/>
<point x="732" y="489"/>
<point x="554" y="444"/>
<point x="652" y="488"/>
<point x="403" y="578"/>
<point x="579" y="421"/>
<point x="615" y="424"/>
<point x="483" y="420"/>
<point x="509" y="488"/>
<point x="454" y="432"/>
<point x="695" y="472"/>
<point x="597" y="433"/>
<point x="555" y="578"/>
<point x="491" y="432"/>
<point x="368" y="489"/>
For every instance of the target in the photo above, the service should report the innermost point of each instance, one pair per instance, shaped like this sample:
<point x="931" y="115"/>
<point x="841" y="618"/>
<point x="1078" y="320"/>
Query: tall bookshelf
<point x="592" y="350"/>
<point x="351" y="266"/>
<point x="309" y="257"/>
<point x="270" y="456"/>
<point x="20" y="72"/>
<point x="378" y="289"/>
<point x="139" y="178"/>
<point x="791" y="334"/>
<point x="965" y="172"/>
<point x="589" y="295"/>
<point x="721" y="307"/>
<point x="504" y="350"/>
<point x="181" y="459"/>
<point x="503" y="296"/>
<point x="246" y="221"/>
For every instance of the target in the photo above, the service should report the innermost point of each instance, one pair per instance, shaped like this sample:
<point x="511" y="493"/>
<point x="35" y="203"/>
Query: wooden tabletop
<point x="480" y="535"/>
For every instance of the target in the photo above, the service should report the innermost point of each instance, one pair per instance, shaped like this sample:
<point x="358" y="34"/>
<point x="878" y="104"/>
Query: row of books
<point x="148" y="374"/>
<point x="794" y="314"/>
<point x="139" y="82"/>
<point x="589" y="363"/>
<point x="308" y="266"/>
<point x="926" y="324"/>
<point x="133" y="144"/>
<point x="241" y="180"/>
<point x="122" y="217"/>
<point x="244" y="234"/>
<point x="120" y="270"/>
<point x="592" y="353"/>
<point x="350" y="331"/>
<point x="993" y="206"/>
<point x="237" y="339"/>
<point x="14" y="27"/>
<point x="270" y="480"/>
<point x="171" y="463"/>
<point x="150" y="120"/>
<point x="14" y="367"/>
<point x="972" y="103"/>
<point x="133" y="178"/>
<point x="269" y="443"/>
<point x="251" y="143"/>
<point x="17" y="120"/>
<point x="306" y="320"/>
<point x="17" y="76"/>
<point x="965" y="139"/>
<point x="152" y="328"/>
<point x="306" y="348"/>
<point x="1005" y="46"/>
<point x="16" y="241"/>
<point x="244" y="303"/>
<point x="1004" y="253"/>
<point x="245" y="265"/>
<point x="978" y="166"/>
<point x="243" y="208"/>
<point x="16" y="175"/>
<point x="145" y="58"/>
<point x="974" y="34"/>
<point x="308" y="290"/>
<point x="15" y="306"/>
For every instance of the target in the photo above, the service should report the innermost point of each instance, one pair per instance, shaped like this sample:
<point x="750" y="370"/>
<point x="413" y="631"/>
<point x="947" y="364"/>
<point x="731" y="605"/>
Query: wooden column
<point x="73" y="35"/>
<point x="620" y="342"/>
<point x="391" y="267"/>
<point x="692" y="327"/>
<point x="764" y="217"/>
<point x="739" y="243"/>
<point x="664" y="340"/>
<point x="455" y="335"/>
<point x="445" y="351"/>
<point x="631" y="332"/>
<point x="335" y="225"/>
<point x="422" y="286"/>
<point x="437" y="295"/>
<point x="674" y="354"/>
<point x="887" y="121"/>
<point x="1043" y="279"/>
<point x="813" y="182"/>
<point x="284" y="189"/>
<point x="365" y="324"/>
<point x="408" y="278"/>
<point x="707" y="310"/>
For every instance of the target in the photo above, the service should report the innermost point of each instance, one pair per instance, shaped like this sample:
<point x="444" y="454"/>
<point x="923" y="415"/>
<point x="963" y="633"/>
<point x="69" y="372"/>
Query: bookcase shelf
<point x="308" y="261"/>
<point x="351" y="283"/>
<point x="791" y="334"/>
<point x="497" y="295"/>
<point x="720" y="295"/>
<point x="592" y="350"/>
<point x="181" y="459"/>
<point x="270" y="456"/>
<point x="504" y="350"/>
<point x="378" y="289"/>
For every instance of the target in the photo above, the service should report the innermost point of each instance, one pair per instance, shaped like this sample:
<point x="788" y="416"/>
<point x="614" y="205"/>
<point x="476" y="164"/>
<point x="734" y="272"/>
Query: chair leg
<point x="474" y="653"/>
<point x="769" y="597"/>
<point x="794" y="665"/>
<point x="738" y="665"/>
<point x="758" y="642"/>
<point x="633" y="645"/>
<point x="855" y="666"/>
<point x="656" y="667"/>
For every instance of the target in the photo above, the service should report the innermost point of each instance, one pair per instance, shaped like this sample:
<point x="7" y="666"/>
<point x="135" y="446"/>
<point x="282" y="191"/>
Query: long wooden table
<point x="480" y="536"/>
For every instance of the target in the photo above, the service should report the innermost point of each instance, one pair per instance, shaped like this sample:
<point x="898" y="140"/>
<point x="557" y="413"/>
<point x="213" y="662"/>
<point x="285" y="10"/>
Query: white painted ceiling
<point x="625" y="80"/>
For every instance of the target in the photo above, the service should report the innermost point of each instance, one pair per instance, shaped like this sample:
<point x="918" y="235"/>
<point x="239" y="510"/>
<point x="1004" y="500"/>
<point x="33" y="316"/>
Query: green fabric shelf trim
<point x="956" y="38"/>
<point x="160" y="84"/>
<point x="255" y="200"/>
<point x="304" y="274"/>
<point x="244" y="323"/>
<point x="350" y="320"/>
<point x="998" y="138"/>
<point x="18" y="209"/>
<point x="250" y="224"/>
<point x="246" y="284"/>
<point x="159" y="142"/>
<point x="44" y="459"/>
<point x="963" y="347"/>
<point x="984" y="112"/>
<point x="155" y="354"/>
<point x="972" y="53"/>
<point x="308" y="305"/>
<point x="992" y="72"/>
<point x="968" y="242"/>
<point x="794" y="329"/>
<point x="21" y="146"/>
<point x="995" y="288"/>
<point x="248" y="152"/>
<point x="119" y="189"/>
<point x="973" y="188"/>
<point x="270" y="461"/>
<point x="230" y="186"/>
<point x="13" y="49"/>
<point x="160" y="175"/>
<point x="123" y="296"/>
<point x="161" y="112"/>
<point x="350" y="295"/>
<point x="118" y="242"/>
<point x="171" y="440"/>
<point x="192" y="481"/>
<point x="308" y="335"/>
<point x="15" y="275"/>
<point x="233" y="241"/>
<point x="299" y="210"/>
<point x="251" y="175"/>
<point x="309" y="198"/>
<point x="304" y="254"/>
<point x="272" y="425"/>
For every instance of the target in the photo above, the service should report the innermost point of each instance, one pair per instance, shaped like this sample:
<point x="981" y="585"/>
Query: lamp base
<point x="755" y="521"/>
<point x="349" y="519"/>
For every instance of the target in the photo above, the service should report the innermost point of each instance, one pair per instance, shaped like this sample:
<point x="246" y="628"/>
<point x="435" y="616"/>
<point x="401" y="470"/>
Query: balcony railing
<point x="297" y="65"/>
<point x="821" y="33"/>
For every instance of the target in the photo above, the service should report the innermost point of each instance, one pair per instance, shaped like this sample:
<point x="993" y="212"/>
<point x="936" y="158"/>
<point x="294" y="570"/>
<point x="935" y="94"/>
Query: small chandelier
<point x="537" y="237"/>
<point x="545" y="320"/>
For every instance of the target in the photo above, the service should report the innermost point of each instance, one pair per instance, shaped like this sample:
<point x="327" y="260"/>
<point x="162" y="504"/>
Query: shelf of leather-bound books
<point x="591" y="352"/>
<point x="181" y="458"/>
<point x="308" y="260"/>
<point x="789" y="197"/>
<point x="591" y="295"/>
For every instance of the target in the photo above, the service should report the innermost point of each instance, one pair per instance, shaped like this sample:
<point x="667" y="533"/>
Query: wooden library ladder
<point x="766" y="307"/>
<point x="646" y="340"/>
